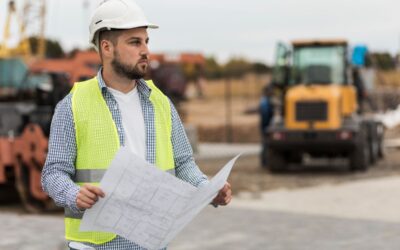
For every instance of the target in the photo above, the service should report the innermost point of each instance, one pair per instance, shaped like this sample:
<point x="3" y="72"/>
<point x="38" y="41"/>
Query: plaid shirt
<point x="60" y="168"/>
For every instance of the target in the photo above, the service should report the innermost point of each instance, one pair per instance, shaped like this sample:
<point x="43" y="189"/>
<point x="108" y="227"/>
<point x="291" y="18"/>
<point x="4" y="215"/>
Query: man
<point x="116" y="108"/>
<point x="266" y="114"/>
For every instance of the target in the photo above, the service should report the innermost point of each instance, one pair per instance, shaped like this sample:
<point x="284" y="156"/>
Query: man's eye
<point x="135" y="42"/>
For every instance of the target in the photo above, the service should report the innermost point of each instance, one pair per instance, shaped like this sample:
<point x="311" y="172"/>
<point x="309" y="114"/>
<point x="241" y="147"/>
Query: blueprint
<point x="146" y="205"/>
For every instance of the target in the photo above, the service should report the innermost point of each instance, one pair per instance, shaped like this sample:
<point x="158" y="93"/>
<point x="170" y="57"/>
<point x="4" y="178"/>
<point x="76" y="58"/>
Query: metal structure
<point x="27" y="101"/>
<point x="30" y="20"/>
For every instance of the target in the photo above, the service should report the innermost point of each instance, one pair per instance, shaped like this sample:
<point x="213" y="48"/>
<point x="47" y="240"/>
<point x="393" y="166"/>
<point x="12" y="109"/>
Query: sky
<point x="238" y="28"/>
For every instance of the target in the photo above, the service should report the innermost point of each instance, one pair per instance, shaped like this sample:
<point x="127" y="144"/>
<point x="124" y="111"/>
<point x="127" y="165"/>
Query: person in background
<point x="266" y="111"/>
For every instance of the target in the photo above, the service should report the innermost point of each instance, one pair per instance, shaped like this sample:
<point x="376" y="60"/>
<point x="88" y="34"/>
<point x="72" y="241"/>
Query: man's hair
<point x="109" y="35"/>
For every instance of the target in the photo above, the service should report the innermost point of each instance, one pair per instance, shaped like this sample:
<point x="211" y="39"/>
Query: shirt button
<point x="115" y="107"/>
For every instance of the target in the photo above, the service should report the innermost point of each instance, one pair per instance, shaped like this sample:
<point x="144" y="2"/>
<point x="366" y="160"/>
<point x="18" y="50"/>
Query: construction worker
<point x="116" y="108"/>
<point x="266" y="111"/>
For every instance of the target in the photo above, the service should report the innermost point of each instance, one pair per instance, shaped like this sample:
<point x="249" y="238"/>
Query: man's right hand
<point x="87" y="196"/>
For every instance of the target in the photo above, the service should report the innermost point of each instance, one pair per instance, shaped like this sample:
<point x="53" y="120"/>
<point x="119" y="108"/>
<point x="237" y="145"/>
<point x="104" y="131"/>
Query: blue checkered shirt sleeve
<point x="59" y="167"/>
<point x="185" y="166"/>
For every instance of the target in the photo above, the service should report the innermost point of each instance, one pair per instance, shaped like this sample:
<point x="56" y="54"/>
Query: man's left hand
<point x="224" y="196"/>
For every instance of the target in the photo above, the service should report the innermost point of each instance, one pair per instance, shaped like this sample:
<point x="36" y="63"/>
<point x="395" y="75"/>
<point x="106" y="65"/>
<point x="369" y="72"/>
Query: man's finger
<point x="85" y="192"/>
<point x="226" y="187"/>
<point x="228" y="200"/>
<point x="225" y="190"/>
<point x="81" y="204"/>
<point x="95" y="190"/>
<point x="86" y="199"/>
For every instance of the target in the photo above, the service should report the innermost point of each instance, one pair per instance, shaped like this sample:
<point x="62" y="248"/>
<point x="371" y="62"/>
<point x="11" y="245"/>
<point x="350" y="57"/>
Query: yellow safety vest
<point x="97" y="142"/>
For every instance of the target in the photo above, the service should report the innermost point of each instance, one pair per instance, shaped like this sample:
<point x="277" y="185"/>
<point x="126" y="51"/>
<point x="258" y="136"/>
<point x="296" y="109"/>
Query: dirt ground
<point x="215" y="124"/>
<point x="248" y="176"/>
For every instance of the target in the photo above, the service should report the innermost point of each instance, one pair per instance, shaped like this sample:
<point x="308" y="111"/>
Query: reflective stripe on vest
<point x="97" y="142"/>
<point x="95" y="175"/>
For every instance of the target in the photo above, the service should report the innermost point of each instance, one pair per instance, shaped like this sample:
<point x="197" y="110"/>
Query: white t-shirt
<point x="132" y="120"/>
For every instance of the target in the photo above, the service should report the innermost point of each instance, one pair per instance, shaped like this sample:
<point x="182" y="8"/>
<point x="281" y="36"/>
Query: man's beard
<point x="127" y="71"/>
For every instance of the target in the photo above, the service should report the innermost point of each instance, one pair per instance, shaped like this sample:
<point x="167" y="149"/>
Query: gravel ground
<point x="248" y="176"/>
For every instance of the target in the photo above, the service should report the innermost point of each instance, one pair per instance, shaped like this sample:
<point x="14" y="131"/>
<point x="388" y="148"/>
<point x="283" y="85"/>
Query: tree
<point x="212" y="69"/>
<point x="260" y="68"/>
<point x="53" y="48"/>
<point x="236" y="67"/>
<point x="382" y="61"/>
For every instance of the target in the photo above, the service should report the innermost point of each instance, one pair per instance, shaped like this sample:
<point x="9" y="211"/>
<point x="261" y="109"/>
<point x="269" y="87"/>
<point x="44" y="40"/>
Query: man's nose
<point x="145" y="50"/>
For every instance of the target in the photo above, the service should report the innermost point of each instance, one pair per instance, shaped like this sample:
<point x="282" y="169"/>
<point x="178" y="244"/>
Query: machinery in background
<point x="30" y="21"/>
<point x="173" y="72"/>
<point x="27" y="101"/>
<point x="320" y="115"/>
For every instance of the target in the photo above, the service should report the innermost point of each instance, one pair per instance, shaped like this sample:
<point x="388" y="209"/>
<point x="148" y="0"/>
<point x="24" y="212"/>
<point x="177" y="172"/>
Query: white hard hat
<point x="117" y="14"/>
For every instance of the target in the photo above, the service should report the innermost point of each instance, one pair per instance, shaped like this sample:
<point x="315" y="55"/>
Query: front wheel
<point x="360" y="157"/>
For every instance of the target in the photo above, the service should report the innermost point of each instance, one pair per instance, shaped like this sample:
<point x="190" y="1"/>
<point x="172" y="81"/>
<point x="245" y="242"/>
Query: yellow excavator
<point x="320" y="112"/>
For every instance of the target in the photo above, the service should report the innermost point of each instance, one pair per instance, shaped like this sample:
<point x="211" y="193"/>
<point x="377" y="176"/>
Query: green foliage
<point x="53" y="48"/>
<point x="260" y="68"/>
<point x="383" y="61"/>
<point x="235" y="67"/>
<point x="212" y="69"/>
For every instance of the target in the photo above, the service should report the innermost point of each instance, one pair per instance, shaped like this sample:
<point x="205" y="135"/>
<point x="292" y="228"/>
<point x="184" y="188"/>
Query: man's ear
<point x="107" y="48"/>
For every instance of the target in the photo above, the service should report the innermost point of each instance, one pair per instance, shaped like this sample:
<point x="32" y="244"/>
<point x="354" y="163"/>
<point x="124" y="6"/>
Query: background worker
<point x="116" y="108"/>
<point x="266" y="111"/>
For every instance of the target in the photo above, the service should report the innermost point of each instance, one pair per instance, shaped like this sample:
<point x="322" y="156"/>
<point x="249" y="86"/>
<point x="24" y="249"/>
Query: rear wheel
<point x="360" y="157"/>
<point x="276" y="161"/>
<point x="296" y="158"/>
<point x="380" y="132"/>
<point x="373" y="142"/>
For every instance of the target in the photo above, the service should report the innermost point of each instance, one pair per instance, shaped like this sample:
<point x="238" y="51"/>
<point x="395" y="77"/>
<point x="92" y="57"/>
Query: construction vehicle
<point x="27" y="101"/>
<point x="320" y="113"/>
<point x="173" y="72"/>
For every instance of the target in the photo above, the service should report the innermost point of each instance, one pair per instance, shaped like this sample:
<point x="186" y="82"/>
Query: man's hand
<point x="224" y="196"/>
<point x="87" y="196"/>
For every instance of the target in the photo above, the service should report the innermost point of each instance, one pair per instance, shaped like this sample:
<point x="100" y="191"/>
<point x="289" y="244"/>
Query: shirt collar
<point x="141" y="84"/>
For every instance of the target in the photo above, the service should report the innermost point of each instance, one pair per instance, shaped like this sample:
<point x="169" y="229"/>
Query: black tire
<point x="373" y="142"/>
<point x="276" y="161"/>
<point x="296" y="158"/>
<point x="380" y="133"/>
<point x="264" y="154"/>
<point x="360" y="157"/>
